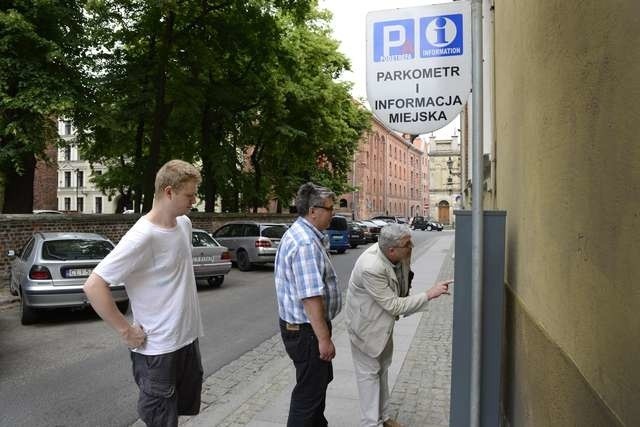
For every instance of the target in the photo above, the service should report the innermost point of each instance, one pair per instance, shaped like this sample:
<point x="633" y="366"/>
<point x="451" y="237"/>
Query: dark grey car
<point x="250" y="242"/>
<point x="49" y="271"/>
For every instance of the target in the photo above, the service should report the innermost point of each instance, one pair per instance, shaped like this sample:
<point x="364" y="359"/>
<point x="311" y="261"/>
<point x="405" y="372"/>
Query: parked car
<point x="391" y="219"/>
<point x="338" y="234"/>
<point x="211" y="260"/>
<point x="250" y="242"/>
<point x="49" y="271"/>
<point x="422" y="223"/>
<point x="372" y="228"/>
<point x="356" y="234"/>
<point x="380" y="223"/>
<point x="47" y="212"/>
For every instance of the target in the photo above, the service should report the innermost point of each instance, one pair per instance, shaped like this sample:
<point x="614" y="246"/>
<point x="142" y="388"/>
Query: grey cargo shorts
<point x="170" y="385"/>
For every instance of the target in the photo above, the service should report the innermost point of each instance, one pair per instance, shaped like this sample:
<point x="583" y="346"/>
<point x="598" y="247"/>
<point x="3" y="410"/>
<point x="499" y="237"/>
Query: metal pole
<point x="476" y="213"/>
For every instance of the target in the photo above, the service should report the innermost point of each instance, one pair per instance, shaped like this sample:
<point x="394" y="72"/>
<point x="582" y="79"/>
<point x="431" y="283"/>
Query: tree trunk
<point x="208" y="176"/>
<point x="137" y="162"/>
<point x="160" y="114"/>
<point x="18" y="195"/>
<point x="3" y="183"/>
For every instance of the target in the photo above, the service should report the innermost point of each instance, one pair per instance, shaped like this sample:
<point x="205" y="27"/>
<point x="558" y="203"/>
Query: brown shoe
<point x="391" y="423"/>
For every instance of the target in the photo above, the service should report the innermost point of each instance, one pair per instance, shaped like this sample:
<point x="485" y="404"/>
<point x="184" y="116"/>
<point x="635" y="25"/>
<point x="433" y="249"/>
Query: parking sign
<point x="419" y="65"/>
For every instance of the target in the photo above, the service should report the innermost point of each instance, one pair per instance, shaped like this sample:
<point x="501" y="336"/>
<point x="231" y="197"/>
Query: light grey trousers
<point x="373" y="384"/>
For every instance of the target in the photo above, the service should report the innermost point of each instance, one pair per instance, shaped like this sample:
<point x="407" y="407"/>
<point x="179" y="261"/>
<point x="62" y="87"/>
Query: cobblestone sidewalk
<point x="421" y="395"/>
<point x="236" y="393"/>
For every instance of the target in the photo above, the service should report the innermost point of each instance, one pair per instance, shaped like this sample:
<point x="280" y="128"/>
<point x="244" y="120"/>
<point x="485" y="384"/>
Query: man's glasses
<point x="330" y="209"/>
<point x="408" y="245"/>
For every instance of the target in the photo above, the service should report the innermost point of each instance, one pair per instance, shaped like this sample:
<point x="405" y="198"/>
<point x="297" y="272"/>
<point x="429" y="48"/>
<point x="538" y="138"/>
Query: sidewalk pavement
<point x="254" y="390"/>
<point x="6" y="299"/>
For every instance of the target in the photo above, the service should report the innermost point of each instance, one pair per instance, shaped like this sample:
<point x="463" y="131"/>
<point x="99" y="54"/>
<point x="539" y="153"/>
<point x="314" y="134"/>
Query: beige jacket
<point x="375" y="301"/>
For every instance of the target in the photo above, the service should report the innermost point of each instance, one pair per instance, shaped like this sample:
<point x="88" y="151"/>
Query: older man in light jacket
<point x="377" y="295"/>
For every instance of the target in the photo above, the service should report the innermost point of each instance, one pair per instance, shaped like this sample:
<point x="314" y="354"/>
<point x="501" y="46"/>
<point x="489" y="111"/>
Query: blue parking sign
<point x="393" y="40"/>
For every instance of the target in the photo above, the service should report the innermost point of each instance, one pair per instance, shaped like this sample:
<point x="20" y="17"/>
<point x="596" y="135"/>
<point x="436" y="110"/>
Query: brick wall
<point x="15" y="230"/>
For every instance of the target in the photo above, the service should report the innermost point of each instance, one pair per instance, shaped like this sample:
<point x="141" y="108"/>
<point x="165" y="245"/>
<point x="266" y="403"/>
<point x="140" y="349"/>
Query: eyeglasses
<point x="408" y="245"/>
<point x="330" y="209"/>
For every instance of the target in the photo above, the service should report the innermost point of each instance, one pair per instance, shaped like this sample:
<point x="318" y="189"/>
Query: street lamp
<point x="450" y="166"/>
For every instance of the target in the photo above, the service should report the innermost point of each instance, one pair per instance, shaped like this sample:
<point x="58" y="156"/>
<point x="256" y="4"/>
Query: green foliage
<point x="245" y="88"/>
<point x="41" y="43"/>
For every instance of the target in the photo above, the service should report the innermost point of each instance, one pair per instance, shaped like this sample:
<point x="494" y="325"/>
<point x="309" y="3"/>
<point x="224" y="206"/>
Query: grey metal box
<point x="492" y="320"/>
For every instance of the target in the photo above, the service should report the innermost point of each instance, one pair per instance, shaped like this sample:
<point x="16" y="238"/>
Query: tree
<point x="311" y="112"/>
<point x="214" y="82"/>
<point x="41" y="46"/>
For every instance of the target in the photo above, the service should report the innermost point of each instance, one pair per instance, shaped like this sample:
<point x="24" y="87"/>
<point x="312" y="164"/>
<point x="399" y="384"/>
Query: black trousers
<point x="170" y="385"/>
<point x="313" y="375"/>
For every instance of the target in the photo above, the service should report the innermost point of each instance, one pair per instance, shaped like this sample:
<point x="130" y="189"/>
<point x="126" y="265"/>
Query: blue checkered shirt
<point x="303" y="270"/>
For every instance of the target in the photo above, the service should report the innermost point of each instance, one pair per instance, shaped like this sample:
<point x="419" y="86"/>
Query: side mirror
<point x="11" y="253"/>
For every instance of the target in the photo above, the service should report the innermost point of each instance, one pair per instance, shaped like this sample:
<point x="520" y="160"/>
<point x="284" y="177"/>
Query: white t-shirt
<point x="156" y="267"/>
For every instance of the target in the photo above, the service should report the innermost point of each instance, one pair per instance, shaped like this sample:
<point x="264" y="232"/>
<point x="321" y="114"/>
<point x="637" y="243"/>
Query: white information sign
<point x="419" y="65"/>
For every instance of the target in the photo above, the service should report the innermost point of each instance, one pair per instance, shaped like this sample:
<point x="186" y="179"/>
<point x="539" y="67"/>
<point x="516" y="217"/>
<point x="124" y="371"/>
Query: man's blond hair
<point x="176" y="173"/>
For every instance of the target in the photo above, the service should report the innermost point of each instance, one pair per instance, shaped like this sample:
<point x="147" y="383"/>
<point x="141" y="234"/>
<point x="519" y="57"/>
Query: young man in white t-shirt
<point x="153" y="260"/>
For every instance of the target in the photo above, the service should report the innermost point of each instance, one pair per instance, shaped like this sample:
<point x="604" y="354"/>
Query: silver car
<point x="211" y="261"/>
<point x="51" y="268"/>
<point x="250" y="242"/>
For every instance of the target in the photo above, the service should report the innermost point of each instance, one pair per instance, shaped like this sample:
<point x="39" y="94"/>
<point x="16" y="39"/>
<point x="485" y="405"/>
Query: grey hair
<point x="391" y="235"/>
<point x="310" y="195"/>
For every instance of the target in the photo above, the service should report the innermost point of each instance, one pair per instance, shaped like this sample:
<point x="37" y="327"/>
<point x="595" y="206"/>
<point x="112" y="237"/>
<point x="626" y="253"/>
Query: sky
<point x="348" y="24"/>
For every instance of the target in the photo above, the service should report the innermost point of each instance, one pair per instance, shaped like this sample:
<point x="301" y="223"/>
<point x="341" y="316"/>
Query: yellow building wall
<point x="567" y="78"/>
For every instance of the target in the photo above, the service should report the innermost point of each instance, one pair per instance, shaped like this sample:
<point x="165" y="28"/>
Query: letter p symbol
<point x="392" y="32"/>
<point x="393" y="40"/>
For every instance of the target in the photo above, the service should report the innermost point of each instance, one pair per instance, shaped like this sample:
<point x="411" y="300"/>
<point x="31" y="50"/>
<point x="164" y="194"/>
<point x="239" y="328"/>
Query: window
<point x="203" y="240"/>
<point x="80" y="204"/>
<point x="26" y="251"/>
<point x="67" y="179"/>
<point x="223" y="231"/>
<point x="65" y="250"/>
<point x="251" y="230"/>
<point x="67" y="153"/>
<point x="273" y="231"/>
<point x="66" y="128"/>
<point x="343" y="203"/>
<point x="67" y="202"/>
<point x="98" y="204"/>
<point x="80" y="179"/>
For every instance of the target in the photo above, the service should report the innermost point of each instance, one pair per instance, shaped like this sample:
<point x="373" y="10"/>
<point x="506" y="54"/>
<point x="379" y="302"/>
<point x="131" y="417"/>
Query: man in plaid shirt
<point x="308" y="298"/>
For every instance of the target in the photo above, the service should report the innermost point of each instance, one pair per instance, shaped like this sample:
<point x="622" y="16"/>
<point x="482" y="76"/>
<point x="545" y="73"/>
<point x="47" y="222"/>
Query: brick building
<point x="388" y="176"/>
<point x="45" y="181"/>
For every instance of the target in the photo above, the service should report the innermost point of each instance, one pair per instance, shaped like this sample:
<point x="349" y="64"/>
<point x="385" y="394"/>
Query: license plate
<point x="79" y="272"/>
<point x="203" y="259"/>
<point x="337" y="237"/>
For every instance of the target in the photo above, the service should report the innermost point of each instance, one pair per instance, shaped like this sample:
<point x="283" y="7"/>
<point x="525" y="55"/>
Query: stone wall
<point x="15" y="230"/>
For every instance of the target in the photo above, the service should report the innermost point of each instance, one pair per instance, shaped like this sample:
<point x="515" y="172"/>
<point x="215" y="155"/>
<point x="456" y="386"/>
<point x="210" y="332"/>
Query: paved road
<point x="71" y="369"/>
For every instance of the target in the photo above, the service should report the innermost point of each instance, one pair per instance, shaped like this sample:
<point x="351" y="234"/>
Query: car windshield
<point x="338" y="223"/>
<point x="273" y="231"/>
<point x="203" y="240"/>
<point x="76" y="249"/>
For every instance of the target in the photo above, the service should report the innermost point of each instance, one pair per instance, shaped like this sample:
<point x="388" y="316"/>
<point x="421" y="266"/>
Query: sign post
<point x="419" y="65"/>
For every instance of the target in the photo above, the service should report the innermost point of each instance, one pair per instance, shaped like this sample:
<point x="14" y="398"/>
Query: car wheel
<point x="215" y="282"/>
<point x="341" y="251"/>
<point x="242" y="261"/>
<point x="28" y="316"/>
<point x="354" y="246"/>
<point x="123" y="306"/>
<point x="429" y="228"/>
